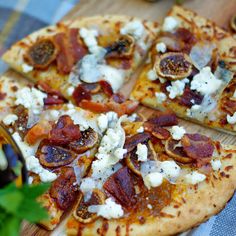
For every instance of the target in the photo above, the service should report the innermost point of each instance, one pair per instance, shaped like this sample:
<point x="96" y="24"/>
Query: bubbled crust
<point x="191" y="206"/>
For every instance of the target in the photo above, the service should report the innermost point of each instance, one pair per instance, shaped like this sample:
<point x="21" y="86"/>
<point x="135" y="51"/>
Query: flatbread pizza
<point x="191" y="70"/>
<point x="88" y="58"/>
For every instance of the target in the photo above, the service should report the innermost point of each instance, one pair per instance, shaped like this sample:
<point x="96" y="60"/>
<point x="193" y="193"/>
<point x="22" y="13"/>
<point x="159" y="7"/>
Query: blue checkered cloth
<point x="19" y="18"/>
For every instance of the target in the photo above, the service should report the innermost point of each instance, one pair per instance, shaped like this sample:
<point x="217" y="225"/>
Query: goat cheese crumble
<point x="176" y="88"/>
<point x="10" y="119"/>
<point x="161" y="47"/>
<point x="194" y="177"/>
<point x="142" y="152"/>
<point x="161" y="97"/>
<point x="177" y="132"/>
<point x="170" y="24"/>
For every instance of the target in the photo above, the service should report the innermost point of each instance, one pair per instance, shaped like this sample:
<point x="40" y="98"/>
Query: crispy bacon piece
<point x="37" y="132"/>
<point x="2" y="96"/>
<point x="156" y="131"/>
<point x="42" y="53"/>
<point x="189" y="96"/>
<point x="64" y="132"/>
<point x="197" y="146"/>
<point x="163" y="119"/>
<point x="120" y="186"/>
<point x="81" y="93"/>
<point x="63" y="189"/>
<point x="133" y="141"/>
<point x="106" y="87"/>
<point x="127" y="107"/>
<point x="79" y="51"/>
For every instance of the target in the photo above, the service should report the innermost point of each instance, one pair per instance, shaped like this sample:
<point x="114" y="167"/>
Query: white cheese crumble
<point x="149" y="206"/>
<point x="216" y="164"/>
<point x="109" y="210"/>
<point x="177" y="132"/>
<point x="10" y="119"/>
<point x="205" y="82"/>
<point x="161" y="47"/>
<point x="170" y="24"/>
<point x="102" y="122"/>
<point x="142" y="152"/>
<point x="170" y="170"/>
<point x="140" y="129"/>
<point x="231" y="119"/>
<point x="194" y="177"/>
<point x="151" y="74"/>
<point x="154" y="179"/>
<point x="134" y="28"/>
<point x="70" y="91"/>
<point x="161" y="97"/>
<point x="31" y="98"/>
<point x="234" y="95"/>
<point x="176" y="88"/>
<point x="27" y="68"/>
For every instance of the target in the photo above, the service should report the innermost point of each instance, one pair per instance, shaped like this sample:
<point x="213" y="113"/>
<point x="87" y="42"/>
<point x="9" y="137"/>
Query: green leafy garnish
<point x="17" y="204"/>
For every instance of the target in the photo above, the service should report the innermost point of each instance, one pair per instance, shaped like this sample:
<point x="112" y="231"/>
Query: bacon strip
<point x="64" y="132"/>
<point x="163" y="119"/>
<point x="106" y="87"/>
<point x="156" y="131"/>
<point x="81" y="93"/>
<point x="133" y="141"/>
<point x="120" y="186"/>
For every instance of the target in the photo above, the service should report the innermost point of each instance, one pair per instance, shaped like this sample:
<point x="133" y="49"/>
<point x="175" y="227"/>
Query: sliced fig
<point x="88" y="140"/>
<point x="176" y="151"/>
<point x="42" y="53"/>
<point x="54" y="156"/>
<point x="133" y="163"/>
<point x="93" y="88"/>
<point x="81" y="212"/>
<point x="173" y="65"/>
<point x="123" y="48"/>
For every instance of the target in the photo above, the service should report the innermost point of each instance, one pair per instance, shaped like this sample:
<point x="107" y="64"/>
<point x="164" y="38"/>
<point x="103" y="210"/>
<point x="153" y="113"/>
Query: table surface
<point x="219" y="11"/>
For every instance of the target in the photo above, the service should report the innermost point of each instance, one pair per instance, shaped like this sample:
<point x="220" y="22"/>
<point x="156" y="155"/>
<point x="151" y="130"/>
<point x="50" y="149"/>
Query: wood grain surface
<point x="219" y="11"/>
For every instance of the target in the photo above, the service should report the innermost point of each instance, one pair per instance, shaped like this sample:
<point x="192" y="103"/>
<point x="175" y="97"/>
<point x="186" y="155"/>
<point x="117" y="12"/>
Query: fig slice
<point x="88" y="140"/>
<point x="54" y="156"/>
<point x="173" y="65"/>
<point x="81" y="212"/>
<point x="176" y="151"/>
<point x="42" y="53"/>
<point x="123" y="48"/>
<point x="133" y="163"/>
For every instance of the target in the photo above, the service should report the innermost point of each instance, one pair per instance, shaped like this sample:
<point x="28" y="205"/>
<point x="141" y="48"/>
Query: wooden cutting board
<point x="219" y="11"/>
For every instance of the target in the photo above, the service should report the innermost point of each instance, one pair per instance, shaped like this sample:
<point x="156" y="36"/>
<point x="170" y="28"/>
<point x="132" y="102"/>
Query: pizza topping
<point x="231" y="119"/>
<point x="153" y="179"/>
<point x="10" y="119"/>
<point x="161" y="47"/>
<point x="190" y="97"/>
<point x="64" y="131"/>
<point x="216" y="164"/>
<point x="173" y="65"/>
<point x="31" y="98"/>
<point x="108" y="210"/>
<point x="205" y="82"/>
<point x="81" y="93"/>
<point x="170" y="24"/>
<point x="89" y="138"/>
<point x="175" y="150"/>
<point x="83" y="212"/>
<point x="177" y="132"/>
<point x="53" y="156"/>
<point x="120" y="186"/>
<point x="26" y="68"/>
<point x="163" y="119"/>
<point x="197" y="146"/>
<point x="156" y="131"/>
<point x="151" y="74"/>
<point x="132" y="142"/>
<point x="161" y="97"/>
<point x="42" y="53"/>
<point x="194" y="177"/>
<point x="123" y="48"/>
<point x="63" y="189"/>
<point x="134" y="28"/>
<point x="142" y="152"/>
<point x="140" y="129"/>
<point x="176" y="88"/>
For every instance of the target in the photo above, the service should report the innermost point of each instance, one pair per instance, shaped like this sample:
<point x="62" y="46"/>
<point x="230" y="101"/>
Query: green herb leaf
<point x="11" y="226"/>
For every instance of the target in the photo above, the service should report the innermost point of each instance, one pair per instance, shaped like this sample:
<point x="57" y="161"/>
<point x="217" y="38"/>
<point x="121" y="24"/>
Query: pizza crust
<point x="192" y="206"/>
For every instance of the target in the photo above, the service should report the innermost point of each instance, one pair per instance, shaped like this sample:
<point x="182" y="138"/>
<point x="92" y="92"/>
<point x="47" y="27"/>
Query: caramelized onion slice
<point x="54" y="156"/>
<point x="173" y="65"/>
<point x="123" y="48"/>
<point x="88" y="140"/>
<point x="177" y="152"/>
<point x="81" y="212"/>
<point x="42" y="53"/>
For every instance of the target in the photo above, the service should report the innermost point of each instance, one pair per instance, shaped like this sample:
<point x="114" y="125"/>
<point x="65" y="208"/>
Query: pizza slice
<point x="58" y="142"/>
<point x="88" y="58"/>
<point x="191" y="70"/>
<point x="152" y="177"/>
